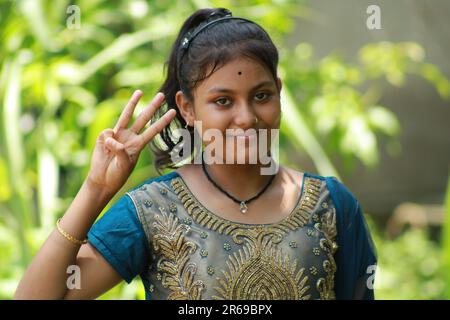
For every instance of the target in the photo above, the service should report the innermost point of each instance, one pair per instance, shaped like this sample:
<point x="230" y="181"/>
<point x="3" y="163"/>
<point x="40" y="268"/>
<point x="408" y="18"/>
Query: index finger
<point x="127" y="113"/>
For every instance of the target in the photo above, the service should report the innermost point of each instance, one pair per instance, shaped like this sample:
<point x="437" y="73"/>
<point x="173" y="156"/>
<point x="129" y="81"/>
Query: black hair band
<point x="187" y="40"/>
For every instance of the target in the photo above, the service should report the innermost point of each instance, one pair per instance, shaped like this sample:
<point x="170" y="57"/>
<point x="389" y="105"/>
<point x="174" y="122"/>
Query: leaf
<point x="383" y="119"/>
<point x="293" y="122"/>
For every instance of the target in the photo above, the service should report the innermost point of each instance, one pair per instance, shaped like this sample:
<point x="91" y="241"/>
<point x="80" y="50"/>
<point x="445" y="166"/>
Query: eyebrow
<point x="218" y="89"/>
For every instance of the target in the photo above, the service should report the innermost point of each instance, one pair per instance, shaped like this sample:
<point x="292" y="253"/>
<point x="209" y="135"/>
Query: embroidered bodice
<point x="196" y="254"/>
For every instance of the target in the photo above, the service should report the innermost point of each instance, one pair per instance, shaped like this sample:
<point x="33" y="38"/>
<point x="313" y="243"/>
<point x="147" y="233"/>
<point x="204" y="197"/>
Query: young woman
<point x="219" y="230"/>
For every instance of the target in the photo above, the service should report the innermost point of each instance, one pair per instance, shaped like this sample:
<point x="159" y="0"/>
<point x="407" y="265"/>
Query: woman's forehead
<point x="240" y="73"/>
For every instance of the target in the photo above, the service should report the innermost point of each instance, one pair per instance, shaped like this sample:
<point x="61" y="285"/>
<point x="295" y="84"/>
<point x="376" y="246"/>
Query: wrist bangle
<point x="68" y="236"/>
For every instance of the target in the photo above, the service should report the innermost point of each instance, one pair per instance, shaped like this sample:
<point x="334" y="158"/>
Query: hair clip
<point x="212" y="16"/>
<point x="185" y="41"/>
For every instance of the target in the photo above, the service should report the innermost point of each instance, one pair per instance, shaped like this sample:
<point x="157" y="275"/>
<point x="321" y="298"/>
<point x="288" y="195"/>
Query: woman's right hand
<point x="117" y="150"/>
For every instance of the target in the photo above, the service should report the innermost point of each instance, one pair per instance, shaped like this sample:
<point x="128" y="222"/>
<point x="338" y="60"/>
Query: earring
<point x="186" y="125"/>
<point x="256" y="119"/>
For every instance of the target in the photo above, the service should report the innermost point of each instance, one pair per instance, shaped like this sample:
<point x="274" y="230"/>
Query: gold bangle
<point x="68" y="236"/>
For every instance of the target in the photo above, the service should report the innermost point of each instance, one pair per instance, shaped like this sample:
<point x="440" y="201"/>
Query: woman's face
<point x="232" y="98"/>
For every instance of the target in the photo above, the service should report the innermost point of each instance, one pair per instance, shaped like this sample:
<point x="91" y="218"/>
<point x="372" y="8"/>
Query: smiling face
<point x="232" y="98"/>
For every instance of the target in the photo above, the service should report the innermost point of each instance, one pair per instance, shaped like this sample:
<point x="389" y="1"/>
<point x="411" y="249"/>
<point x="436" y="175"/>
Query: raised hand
<point x="117" y="150"/>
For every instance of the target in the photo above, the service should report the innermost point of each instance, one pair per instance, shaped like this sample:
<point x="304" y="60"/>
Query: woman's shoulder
<point x="333" y="184"/>
<point x="151" y="190"/>
<point x="329" y="182"/>
<point x="343" y="199"/>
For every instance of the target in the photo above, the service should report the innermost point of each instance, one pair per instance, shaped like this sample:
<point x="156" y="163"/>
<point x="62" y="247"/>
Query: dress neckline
<point x="291" y="215"/>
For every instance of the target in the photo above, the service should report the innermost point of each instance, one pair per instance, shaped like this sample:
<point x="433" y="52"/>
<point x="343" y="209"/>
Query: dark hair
<point x="213" y="47"/>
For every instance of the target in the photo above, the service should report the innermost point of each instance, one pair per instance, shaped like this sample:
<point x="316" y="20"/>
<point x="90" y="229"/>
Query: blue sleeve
<point x="119" y="237"/>
<point x="356" y="256"/>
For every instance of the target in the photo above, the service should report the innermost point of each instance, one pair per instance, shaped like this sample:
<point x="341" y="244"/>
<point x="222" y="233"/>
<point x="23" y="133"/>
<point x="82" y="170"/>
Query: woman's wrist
<point x="84" y="209"/>
<point x="97" y="189"/>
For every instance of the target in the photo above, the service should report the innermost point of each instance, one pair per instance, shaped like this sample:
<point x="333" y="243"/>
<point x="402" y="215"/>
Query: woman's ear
<point x="279" y="84"/>
<point x="186" y="107"/>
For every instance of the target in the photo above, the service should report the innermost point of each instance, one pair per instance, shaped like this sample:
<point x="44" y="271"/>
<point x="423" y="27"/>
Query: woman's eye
<point x="223" y="101"/>
<point x="261" y="96"/>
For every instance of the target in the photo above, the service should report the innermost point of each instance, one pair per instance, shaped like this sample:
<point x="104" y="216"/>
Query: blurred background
<point x="366" y="98"/>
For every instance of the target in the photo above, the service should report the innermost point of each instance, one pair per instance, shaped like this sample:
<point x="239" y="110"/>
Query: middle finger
<point x="127" y="113"/>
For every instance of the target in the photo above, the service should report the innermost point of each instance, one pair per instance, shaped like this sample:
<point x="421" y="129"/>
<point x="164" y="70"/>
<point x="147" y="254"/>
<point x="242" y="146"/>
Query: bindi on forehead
<point x="240" y="72"/>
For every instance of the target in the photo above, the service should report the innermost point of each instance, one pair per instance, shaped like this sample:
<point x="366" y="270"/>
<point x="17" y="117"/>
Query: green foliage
<point x="60" y="87"/>
<point x="409" y="267"/>
<point x="446" y="240"/>
<point x="339" y="101"/>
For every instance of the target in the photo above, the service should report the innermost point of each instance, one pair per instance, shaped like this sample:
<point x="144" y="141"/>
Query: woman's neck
<point x="243" y="181"/>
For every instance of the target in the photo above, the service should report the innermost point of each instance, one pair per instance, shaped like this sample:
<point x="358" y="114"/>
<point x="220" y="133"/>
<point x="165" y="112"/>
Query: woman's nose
<point x="245" y="116"/>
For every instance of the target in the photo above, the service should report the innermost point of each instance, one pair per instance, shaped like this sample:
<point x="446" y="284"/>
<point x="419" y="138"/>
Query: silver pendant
<point x="243" y="207"/>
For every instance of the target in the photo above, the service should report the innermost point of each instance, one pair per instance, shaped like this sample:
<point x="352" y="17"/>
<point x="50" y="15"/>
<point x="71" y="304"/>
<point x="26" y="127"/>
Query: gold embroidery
<point x="298" y="217"/>
<point x="251" y="233"/>
<point x="261" y="273"/>
<point x="325" y="286"/>
<point x="259" y="270"/>
<point x="173" y="207"/>
<point x="203" y="253"/>
<point x="313" y="270"/>
<point x="178" y="274"/>
<point x="210" y="270"/>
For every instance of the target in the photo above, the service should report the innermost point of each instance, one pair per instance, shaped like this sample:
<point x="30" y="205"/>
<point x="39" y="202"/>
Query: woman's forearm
<point x="46" y="276"/>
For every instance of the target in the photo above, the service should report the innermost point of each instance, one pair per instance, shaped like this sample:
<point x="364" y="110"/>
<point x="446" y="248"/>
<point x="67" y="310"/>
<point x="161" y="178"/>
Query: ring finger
<point x="148" y="113"/>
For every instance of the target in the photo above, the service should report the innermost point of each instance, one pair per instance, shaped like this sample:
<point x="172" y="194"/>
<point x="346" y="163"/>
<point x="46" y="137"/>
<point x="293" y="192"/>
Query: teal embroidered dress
<point x="181" y="250"/>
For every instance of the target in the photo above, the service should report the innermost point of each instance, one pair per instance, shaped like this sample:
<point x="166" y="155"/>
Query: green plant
<point x="446" y="240"/>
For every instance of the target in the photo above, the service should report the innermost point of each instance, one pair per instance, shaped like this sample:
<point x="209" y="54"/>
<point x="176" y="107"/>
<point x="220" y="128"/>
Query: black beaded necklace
<point x="242" y="203"/>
